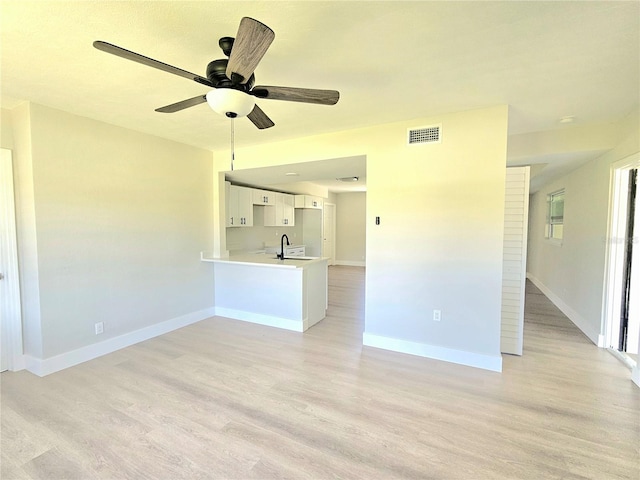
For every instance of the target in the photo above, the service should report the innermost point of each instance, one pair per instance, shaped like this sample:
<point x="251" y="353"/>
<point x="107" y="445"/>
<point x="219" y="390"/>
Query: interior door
<point x="329" y="232"/>
<point x="629" y="319"/>
<point x="10" y="311"/>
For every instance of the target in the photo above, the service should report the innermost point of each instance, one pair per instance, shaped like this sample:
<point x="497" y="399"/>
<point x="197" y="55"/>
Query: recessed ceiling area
<point x="321" y="172"/>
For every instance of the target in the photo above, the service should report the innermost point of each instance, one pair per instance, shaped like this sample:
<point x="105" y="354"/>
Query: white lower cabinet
<point x="282" y="213"/>
<point x="240" y="206"/>
<point x="294" y="251"/>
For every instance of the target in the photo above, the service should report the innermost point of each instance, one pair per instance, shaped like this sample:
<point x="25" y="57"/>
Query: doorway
<point x="329" y="232"/>
<point x="622" y="307"/>
<point x="10" y="309"/>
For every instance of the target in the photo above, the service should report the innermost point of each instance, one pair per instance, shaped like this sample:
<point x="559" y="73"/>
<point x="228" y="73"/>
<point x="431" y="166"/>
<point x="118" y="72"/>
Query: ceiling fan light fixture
<point x="230" y="102"/>
<point x="348" y="179"/>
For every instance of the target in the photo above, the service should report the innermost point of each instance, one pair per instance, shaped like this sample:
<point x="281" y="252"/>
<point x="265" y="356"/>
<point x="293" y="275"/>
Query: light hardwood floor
<point x="227" y="399"/>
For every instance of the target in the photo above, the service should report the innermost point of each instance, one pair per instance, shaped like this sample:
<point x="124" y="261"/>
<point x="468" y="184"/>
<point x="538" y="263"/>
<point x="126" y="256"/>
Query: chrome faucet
<point x="281" y="254"/>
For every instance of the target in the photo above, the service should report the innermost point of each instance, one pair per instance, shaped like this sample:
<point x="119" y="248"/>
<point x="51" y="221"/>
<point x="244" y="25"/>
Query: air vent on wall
<point x="420" y="135"/>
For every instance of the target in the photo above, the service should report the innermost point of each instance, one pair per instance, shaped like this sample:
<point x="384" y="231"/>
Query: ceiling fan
<point x="233" y="79"/>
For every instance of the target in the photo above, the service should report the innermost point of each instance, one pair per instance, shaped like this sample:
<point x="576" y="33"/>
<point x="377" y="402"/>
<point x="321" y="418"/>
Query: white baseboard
<point x="578" y="320"/>
<point x="471" y="359"/>
<point x="19" y="363"/>
<point x="349" y="263"/>
<point x="46" y="366"/>
<point x="635" y="375"/>
<point x="268" y="320"/>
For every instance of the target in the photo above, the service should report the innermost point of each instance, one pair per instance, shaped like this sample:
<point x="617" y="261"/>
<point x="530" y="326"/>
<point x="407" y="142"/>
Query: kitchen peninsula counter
<point x="266" y="260"/>
<point x="258" y="288"/>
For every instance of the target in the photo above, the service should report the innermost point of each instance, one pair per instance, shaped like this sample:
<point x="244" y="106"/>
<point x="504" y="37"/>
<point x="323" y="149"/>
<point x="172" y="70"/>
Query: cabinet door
<point x="228" y="208"/>
<point x="245" y="206"/>
<point x="270" y="197"/>
<point x="288" y="210"/>
<point x="263" y="197"/>
<point x="240" y="207"/>
<point x="282" y="213"/>
<point x="312" y="202"/>
<point x="308" y="201"/>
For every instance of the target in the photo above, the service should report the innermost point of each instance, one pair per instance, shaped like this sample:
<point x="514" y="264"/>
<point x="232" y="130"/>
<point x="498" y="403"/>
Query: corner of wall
<point x="26" y="228"/>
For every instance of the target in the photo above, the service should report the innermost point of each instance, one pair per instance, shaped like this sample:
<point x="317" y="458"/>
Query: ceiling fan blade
<point x="260" y="119"/>
<point x="176" y="107"/>
<point x="292" y="94"/>
<point x="150" y="62"/>
<point x="251" y="43"/>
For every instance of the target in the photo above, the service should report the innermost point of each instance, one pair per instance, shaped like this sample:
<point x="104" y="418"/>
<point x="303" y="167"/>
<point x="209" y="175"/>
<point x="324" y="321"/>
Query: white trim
<point x="10" y="303"/>
<point x="461" y="357"/>
<point x="623" y="357"/>
<point x="268" y="320"/>
<point x="571" y="314"/>
<point x="614" y="254"/>
<point x="42" y="367"/>
<point x="635" y="375"/>
<point x="332" y="259"/>
<point x="349" y="263"/>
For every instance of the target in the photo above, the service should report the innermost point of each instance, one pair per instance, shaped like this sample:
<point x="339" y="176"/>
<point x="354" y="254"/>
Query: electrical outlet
<point x="437" y="315"/>
<point x="99" y="328"/>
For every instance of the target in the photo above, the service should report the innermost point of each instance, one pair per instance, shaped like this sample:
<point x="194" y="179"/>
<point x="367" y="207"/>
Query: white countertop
<point x="265" y="260"/>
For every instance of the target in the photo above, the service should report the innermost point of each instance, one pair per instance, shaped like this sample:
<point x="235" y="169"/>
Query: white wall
<point x="6" y="130"/>
<point x="110" y="225"/>
<point x="351" y="216"/>
<point x="572" y="274"/>
<point x="446" y="200"/>
<point x="311" y="221"/>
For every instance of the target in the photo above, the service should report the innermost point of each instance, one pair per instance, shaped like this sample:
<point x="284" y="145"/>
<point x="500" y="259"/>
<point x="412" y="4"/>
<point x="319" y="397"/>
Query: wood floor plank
<point x="228" y="399"/>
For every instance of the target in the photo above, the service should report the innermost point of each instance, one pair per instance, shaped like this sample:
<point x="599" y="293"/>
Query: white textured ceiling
<point x="390" y="61"/>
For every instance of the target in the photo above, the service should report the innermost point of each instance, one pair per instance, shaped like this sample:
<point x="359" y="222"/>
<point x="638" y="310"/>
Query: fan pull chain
<point x="233" y="153"/>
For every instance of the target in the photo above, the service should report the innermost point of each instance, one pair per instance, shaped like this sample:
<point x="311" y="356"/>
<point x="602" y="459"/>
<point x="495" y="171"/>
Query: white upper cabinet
<point x="240" y="206"/>
<point x="263" y="197"/>
<point x="282" y="213"/>
<point x="308" y="201"/>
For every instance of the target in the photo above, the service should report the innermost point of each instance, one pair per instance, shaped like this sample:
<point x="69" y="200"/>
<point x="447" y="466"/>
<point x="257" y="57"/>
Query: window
<point x="555" y="215"/>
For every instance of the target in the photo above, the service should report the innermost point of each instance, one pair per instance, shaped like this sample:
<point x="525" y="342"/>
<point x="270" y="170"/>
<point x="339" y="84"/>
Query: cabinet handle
<point x="231" y="220"/>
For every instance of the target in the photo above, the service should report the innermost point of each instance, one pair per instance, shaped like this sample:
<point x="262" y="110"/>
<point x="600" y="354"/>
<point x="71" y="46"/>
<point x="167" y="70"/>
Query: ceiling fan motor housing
<point x="216" y="73"/>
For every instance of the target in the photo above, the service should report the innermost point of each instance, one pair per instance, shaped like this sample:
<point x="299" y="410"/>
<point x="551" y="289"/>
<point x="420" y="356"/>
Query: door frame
<point x="10" y="305"/>
<point x="332" y="260"/>
<point x="615" y="252"/>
